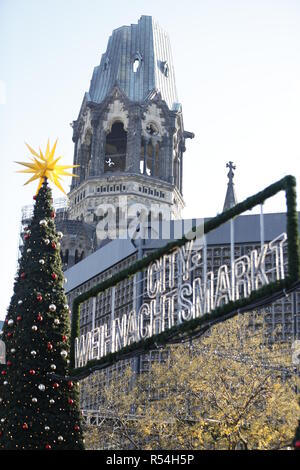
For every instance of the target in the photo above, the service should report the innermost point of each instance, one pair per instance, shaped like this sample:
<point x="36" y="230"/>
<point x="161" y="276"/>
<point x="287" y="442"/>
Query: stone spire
<point x="230" y="199"/>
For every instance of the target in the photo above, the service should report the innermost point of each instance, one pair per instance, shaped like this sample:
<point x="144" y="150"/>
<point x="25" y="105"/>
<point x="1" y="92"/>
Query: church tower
<point x="129" y="136"/>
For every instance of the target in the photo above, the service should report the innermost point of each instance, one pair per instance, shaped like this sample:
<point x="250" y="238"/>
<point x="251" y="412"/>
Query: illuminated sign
<point x="181" y="286"/>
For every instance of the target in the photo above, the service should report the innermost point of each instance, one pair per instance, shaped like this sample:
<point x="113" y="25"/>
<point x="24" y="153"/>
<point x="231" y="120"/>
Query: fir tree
<point x="39" y="407"/>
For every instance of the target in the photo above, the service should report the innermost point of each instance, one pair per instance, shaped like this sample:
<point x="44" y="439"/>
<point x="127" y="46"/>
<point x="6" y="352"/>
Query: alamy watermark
<point x="138" y="221"/>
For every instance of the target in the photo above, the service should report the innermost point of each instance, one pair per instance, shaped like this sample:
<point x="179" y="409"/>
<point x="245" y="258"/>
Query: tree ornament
<point x="52" y="308"/>
<point x="70" y="384"/>
<point x="2" y="420"/>
<point x="52" y="401"/>
<point x="34" y="328"/>
<point x="1" y="433"/>
<point x="55" y="385"/>
<point x="47" y="241"/>
<point x="26" y="236"/>
<point x="32" y="372"/>
<point x="297" y="444"/>
<point x="76" y="428"/>
<point x="54" y="276"/>
<point x="41" y="261"/>
<point x="23" y="275"/>
<point x="39" y="297"/>
<point x="60" y="235"/>
<point x="60" y="438"/>
<point x="47" y="428"/>
<point x="33" y="353"/>
<point x="64" y="338"/>
<point x="5" y="382"/>
<point x="34" y="400"/>
<point x="20" y="302"/>
<point x="34" y="197"/>
<point x="13" y="350"/>
<point x="9" y="334"/>
<point x="63" y="353"/>
<point x="52" y="214"/>
<point x="53" y="245"/>
<point x="49" y="347"/>
<point x="53" y="367"/>
<point x="48" y="447"/>
<point x="39" y="317"/>
<point x="24" y="426"/>
<point x="42" y="387"/>
<point x="70" y="401"/>
<point x="19" y="318"/>
<point x="3" y="372"/>
<point x="9" y="363"/>
<point x="43" y="223"/>
<point x="10" y="322"/>
<point x="56" y="321"/>
<point x="28" y="250"/>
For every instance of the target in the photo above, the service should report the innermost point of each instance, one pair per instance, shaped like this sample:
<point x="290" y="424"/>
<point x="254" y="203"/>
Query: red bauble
<point x="70" y="384"/>
<point x="48" y="447"/>
<point x="3" y="372"/>
<point x="54" y="276"/>
<point x="297" y="444"/>
<point x="39" y="298"/>
<point x="53" y="245"/>
<point x="32" y="372"/>
<point x="49" y="347"/>
<point x="39" y="317"/>
<point x="9" y="363"/>
<point x="26" y="236"/>
<point x="53" y="214"/>
<point x="34" y="197"/>
<point x="9" y="334"/>
<point x="70" y="401"/>
<point x="64" y="338"/>
<point x="19" y="318"/>
<point x="76" y="428"/>
<point x="55" y="385"/>
<point x="25" y="426"/>
<point x="23" y="275"/>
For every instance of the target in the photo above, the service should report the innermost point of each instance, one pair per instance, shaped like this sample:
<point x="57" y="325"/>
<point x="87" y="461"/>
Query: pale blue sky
<point x="237" y="66"/>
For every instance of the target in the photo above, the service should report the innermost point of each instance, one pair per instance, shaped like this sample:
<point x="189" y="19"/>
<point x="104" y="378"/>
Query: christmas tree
<point x="39" y="406"/>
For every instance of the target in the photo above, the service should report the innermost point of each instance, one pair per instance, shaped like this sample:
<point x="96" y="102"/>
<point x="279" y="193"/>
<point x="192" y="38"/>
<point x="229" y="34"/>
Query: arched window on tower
<point x="149" y="159"/>
<point x="115" y="148"/>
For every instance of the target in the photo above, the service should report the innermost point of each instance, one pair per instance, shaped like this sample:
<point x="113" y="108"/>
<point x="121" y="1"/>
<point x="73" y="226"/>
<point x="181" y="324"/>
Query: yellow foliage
<point x="226" y="390"/>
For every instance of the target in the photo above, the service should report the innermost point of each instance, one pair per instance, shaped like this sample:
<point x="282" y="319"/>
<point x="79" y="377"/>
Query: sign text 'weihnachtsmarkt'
<point x="180" y="287"/>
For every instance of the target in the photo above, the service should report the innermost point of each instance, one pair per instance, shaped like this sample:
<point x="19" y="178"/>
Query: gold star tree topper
<point x="46" y="166"/>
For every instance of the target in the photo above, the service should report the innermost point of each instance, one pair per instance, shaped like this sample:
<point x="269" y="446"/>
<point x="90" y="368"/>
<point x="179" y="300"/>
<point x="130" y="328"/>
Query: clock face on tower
<point x="151" y="129"/>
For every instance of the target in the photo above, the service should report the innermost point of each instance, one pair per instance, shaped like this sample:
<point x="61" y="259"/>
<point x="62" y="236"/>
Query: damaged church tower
<point x="129" y="136"/>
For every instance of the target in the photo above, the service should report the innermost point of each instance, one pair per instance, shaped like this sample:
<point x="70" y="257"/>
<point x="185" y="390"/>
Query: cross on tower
<point x="231" y="167"/>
